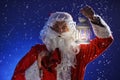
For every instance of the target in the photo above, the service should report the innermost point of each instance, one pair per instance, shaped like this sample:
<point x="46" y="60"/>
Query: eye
<point x="55" y="26"/>
<point x="63" y="27"/>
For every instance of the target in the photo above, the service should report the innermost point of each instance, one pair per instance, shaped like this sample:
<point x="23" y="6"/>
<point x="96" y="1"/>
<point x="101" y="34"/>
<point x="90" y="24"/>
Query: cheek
<point x="66" y="29"/>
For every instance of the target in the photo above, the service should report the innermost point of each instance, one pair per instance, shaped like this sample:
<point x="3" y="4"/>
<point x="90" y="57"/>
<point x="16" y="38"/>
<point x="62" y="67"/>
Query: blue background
<point x="21" y="21"/>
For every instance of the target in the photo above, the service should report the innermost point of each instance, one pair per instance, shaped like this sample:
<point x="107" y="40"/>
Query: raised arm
<point x="101" y="30"/>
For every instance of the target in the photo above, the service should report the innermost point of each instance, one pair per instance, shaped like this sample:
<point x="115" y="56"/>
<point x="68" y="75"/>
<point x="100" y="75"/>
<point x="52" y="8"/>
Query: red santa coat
<point x="87" y="53"/>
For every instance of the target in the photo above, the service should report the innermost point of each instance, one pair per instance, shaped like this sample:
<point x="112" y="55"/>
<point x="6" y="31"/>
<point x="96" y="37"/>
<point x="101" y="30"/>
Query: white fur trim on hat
<point x="59" y="16"/>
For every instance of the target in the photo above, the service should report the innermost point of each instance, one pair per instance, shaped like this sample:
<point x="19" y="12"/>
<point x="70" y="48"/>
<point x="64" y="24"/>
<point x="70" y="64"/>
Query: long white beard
<point x="68" y="48"/>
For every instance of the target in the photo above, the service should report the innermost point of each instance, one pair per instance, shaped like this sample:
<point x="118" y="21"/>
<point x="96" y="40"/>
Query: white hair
<point x="57" y="16"/>
<point x="65" y="42"/>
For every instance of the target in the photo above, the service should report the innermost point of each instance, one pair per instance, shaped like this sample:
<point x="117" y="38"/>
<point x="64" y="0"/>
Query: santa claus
<point x="60" y="57"/>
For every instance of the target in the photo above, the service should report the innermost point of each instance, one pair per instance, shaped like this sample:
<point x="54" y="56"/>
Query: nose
<point x="60" y="30"/>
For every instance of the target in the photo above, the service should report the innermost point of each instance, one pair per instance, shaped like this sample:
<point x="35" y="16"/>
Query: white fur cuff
<point x="32" y="73"/>
<point x="101" y="32"/>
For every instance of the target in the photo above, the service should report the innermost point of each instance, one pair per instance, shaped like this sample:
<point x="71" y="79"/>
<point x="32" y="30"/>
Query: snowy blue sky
<point x="21" y="21"/>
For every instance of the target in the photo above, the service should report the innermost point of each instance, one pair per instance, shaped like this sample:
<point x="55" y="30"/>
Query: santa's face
<point x="62" y="35"/>
<point x="60" y="27"/>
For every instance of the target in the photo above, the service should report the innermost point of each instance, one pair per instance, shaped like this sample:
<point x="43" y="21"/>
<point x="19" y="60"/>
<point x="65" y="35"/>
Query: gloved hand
<point x="89" y="13"/>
